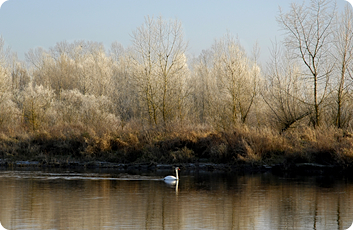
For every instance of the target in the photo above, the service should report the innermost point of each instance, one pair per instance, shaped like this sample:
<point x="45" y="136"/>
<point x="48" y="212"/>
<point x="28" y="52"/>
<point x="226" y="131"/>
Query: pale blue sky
<point x="26" y="24"/>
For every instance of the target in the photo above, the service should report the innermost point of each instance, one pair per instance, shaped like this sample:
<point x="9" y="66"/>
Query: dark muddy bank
<point x="305" y="169"/>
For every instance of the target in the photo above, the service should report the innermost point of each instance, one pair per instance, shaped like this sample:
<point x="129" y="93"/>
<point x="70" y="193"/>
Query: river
<point x="108" y="199"/>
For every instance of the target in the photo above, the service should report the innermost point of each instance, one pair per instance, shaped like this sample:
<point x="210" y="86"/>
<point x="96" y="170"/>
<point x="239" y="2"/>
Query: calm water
<point x="116" y="200"/>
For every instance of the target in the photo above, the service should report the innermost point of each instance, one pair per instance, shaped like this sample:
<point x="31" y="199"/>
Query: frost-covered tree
<point x="159" y="68"/>
<point x="237" y="81"/>
<point x="122" y="91"/>
<point x="79" y="65"/>
<point x="202" y="86"/>
<point x="9" y="112"/>
<point x="19" y="74"/>
<point x="35" y="101"/>
<point x="97" y="67"/>
<point x="91" y="111"/>
<point x="5" y="75"/>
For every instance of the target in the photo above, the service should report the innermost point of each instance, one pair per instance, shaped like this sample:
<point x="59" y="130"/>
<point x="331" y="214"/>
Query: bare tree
<point x="285" y="90"/>
<point x="308" y="32"/>
<point x="343" y="53"/>
<point x="160" y="67"/>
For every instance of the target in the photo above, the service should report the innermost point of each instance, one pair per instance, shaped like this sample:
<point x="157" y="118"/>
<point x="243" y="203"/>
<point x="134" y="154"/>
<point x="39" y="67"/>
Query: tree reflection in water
<point x="199" y="201"/>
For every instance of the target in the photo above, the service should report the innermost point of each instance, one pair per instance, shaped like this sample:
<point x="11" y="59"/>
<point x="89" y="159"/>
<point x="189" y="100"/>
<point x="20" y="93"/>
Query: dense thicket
<point x="153" y="83"/>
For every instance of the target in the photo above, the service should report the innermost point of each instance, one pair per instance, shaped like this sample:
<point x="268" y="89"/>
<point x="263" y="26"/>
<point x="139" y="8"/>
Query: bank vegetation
<point x="152" y="102"/>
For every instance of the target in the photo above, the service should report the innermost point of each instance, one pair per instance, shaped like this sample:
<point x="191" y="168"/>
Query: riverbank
<point x="242" y="148"/>
<point x="300" y="169"/>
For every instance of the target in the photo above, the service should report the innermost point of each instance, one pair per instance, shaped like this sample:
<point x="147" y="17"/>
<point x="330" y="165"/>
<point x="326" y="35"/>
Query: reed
<point x="176" y="144"/>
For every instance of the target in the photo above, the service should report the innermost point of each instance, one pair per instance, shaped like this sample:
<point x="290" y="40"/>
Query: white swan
<point x="173" y="178"/>
<point x="351" y="227"/>
<point x="2" y="228"/>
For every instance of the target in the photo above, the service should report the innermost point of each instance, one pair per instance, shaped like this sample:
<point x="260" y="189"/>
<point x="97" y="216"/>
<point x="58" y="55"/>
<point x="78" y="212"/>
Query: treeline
<point x="155" y="83"/>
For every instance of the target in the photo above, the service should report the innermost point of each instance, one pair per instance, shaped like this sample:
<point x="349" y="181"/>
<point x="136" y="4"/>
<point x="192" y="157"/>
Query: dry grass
<point x="181" y="144"/>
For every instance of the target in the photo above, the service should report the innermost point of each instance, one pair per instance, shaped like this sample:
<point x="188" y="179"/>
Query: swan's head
<point x="177" y="169"/>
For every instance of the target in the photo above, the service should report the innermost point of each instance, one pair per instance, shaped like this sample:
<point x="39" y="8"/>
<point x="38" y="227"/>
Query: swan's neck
<point x="176" y="173"/>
